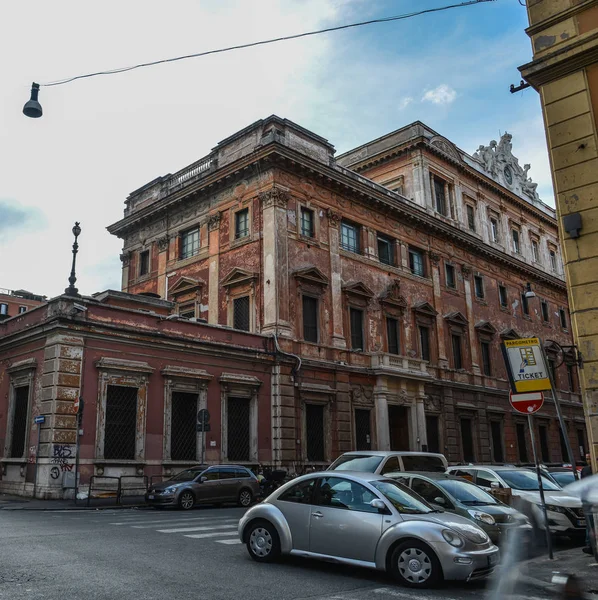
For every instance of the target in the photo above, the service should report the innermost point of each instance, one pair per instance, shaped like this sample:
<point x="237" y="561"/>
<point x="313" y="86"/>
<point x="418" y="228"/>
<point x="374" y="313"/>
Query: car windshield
<point x="521" y="479"/>
<point x="563" y="478"/>
<point x="423" y="463"/>
<point x="355" y="462"/>
<point x="187" y="475"/>
<point x="402" y="498"/>
<point x="466" y="492"/>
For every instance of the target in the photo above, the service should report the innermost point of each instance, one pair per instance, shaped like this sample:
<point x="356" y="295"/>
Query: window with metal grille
<point x="238" y="429"/>
<point x="392" y="336"/>
<point x="478" y="282"/>
<point x="363" y="439"/>
<point x="22" y="309"/>
<point x="451" y="281"/>
<point x="502" y="296"/>
<point x="535" y="251"/>
<point x="310" y="319"/>
<point x="553" y="260"/>
<point x="121" y="422"/>
<point x="314" y="432"/>
<point x="563" y="318"/>
<point x="19" y="422"/>
<point x="187" y="311"/>
<point x="439" y="192"/>
<point x="545" y="313"/>
<point x="516" y="245"/>
<point x="457" y="352"/>
<point x="544" y="448"/>
<point x="183" y="430"/>
<point x="486" y="361"/>
<point x="467" y="440"/>
<point x="385" y="250"/>
<point x="307" y="222"/>
<point x="432" y="433"/>
<point x="416" y="262"/>
<point x="524" y="304"/>
<point x="494" y="230"/>
<point x="144" y="262"/>
<point x="424" y="342"/>
<point x="242" y="223"/>
<point x="498" y="454"/>
<point x="350" y="237"/>
<point x="470" y="217"/>
<point x="522" y="443"/>
<point x="356" y="318"/>
<point x="241" y="313"/>
<point x="190" y="243"/>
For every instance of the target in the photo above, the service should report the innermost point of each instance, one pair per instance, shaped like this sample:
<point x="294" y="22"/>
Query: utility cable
<point x="264" y="42"/>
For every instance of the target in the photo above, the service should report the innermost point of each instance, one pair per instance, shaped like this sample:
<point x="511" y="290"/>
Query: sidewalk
<point x="20" y="503"/>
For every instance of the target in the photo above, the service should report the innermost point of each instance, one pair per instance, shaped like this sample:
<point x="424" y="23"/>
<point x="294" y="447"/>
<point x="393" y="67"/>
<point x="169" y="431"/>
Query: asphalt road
<point x="153" y="555"/>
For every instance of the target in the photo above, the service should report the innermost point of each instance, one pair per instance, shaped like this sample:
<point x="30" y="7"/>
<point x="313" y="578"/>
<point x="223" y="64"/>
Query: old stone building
<point x="16" y="302"/>
<point x="388" y="276"/>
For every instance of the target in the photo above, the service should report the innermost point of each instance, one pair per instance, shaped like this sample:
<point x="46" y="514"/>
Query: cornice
<point x="559" y="17"/>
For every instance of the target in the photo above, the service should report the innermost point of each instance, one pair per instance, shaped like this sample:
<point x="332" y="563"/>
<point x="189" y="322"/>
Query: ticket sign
<point x="526" y="366"/>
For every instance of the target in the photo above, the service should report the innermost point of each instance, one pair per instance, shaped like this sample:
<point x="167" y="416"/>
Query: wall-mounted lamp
<point x="572" y="224"/>
<point x="529" y="293"/>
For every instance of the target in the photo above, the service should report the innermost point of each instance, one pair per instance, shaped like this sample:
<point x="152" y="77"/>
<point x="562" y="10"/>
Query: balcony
<point x="394" y="364"/>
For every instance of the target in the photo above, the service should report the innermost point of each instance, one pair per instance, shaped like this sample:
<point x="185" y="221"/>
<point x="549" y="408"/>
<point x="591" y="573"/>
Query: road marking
<point x="173" y="520"/>
<point x="186" y="522"/>
<point x="184" y="529"/>
<point x="229" y="542"/>
<point x="201" y="536"/>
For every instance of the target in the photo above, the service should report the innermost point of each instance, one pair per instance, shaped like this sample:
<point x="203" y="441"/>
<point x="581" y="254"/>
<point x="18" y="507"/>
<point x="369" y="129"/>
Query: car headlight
<point x="482" y="516"/>
<point x="553" y="508"/>
<point x="170" y="490"/>
<point x="472" y="532"/>
<point x="452" y="538"/>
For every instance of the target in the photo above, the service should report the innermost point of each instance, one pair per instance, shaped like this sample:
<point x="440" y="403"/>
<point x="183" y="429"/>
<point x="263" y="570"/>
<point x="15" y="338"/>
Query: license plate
<point x="493" y="559"/>
<point x="151" y="497"/>
<point x="581" y="522"/>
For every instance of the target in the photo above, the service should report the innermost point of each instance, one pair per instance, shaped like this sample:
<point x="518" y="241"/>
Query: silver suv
<point x="381" y="462"/>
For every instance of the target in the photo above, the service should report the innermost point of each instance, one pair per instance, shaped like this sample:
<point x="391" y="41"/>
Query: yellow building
<point x="564" y="70"/>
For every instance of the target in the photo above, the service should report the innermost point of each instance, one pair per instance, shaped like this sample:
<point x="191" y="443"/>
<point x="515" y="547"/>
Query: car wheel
<point x="263" y="543"/>
<point x="414" y="564"/>
<point x="245" y="498"/>
<point x="186" y="500"/>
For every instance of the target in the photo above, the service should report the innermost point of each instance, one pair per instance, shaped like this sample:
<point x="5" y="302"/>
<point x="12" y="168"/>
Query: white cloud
<point x="443" y="94"/>
<point x="405" y="102"/>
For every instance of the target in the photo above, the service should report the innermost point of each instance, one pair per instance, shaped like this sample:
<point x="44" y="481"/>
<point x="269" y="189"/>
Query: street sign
<point x="527" y="404"/>
<point x="40" y="419"/>
<point x="203" y="416"/>
<point x="526" y="365"/>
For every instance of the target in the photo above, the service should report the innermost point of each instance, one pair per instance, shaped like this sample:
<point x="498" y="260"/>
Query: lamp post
<point x="71" y="290"/>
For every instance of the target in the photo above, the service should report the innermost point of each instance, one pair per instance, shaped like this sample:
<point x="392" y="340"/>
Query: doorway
<point x="398" y="424"/>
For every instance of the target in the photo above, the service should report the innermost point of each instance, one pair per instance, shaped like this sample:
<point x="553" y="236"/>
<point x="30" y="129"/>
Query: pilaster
<point x="338" y="337"/>
<point x="434" y="262"/>
<point x="214" y="270"/>
<point x="381" y="408"/>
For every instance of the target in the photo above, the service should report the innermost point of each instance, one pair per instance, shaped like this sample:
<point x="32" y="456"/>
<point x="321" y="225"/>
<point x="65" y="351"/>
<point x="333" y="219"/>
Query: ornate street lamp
<point x="32" y="107"/>
<point x="71" y="290"/>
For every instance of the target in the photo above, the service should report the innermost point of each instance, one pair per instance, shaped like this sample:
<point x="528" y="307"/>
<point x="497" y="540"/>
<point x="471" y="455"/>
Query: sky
<point x="103" y="137"/>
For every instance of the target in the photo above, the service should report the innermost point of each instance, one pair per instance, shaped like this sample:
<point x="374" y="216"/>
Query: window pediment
<point x="393" y="295"/>
<point x="485" y="328"/>
<point x="456" y="318"/>
<point x="185" y="285"/>
<point x="425" y="309"/>
<point x="311" y="275"/>
<point x="358" y="289"/>
<point x="509" y="334"/>
<point x="238" y="276"/>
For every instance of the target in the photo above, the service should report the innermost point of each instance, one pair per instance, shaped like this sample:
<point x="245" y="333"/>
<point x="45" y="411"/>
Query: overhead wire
<point x="264" y="42"/>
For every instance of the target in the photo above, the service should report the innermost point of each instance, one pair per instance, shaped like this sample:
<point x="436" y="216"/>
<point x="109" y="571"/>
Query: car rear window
<point x="423" y="463"/>
<point x="367" y="464"/>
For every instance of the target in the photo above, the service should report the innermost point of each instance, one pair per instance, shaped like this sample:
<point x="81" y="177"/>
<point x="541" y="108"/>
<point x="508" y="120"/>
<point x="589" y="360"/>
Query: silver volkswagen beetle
<point x="367" y="520"/>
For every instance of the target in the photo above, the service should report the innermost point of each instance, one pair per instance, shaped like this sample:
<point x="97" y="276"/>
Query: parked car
<point x="456" y="495"/>
<point x="382" y="462"/>
<point x="562" y="475"/>
<point x="205" y="485"/>
<point x="565" y="514"/>
<point x="367" y="520"/>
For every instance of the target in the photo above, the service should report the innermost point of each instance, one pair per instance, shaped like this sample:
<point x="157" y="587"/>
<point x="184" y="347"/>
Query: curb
<point x="73" y="508"/>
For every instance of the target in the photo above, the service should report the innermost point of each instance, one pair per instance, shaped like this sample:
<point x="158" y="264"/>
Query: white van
<point x="382" y="462"/>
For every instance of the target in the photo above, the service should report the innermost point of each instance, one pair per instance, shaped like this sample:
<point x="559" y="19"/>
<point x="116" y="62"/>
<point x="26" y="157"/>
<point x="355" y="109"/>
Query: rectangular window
<point x="121" y="422"/>
<point x="522" y="443"/>
<point x="478" y="282"/>
<point x="571" y="378"/>
<point x="581" y="442"/>
<point x="544" y="448"/>
<point x="432" y="432"/>
<point x="187" y="311"/>
<point x="563" y="318"/>
<point x="363" y="438"/>
<point x="183" y="434"/>
<point x="310" y="319"/>
<point x="451" y="280"/>
<point x="22" y="309"/>
<point x="314" y="432"/>
<point x="494" y="235"/>
<point x="189" y="243"/>
<point x="502" y="296"/>
<point x="535" y="251"/>
<point x="470" y="217"/>
<point x="524" y="304"/>
<point x="497" y="445"/>
<point x="237" y="432"/>
<point x="486" y="360"/>
<point x="392" y="336"/>
<point x="467" y="440"/>
<point x="356" y="317"/>
<point x="457" y="352"/>
<point x="242" y="223"/>
<point x="144" y="262"/>
<point x="439" y="192"/>
<point x="545" y="314"/>
<point x="19" y="422"/>
<point x="424" y="342"/>
<point x="416" y="262"/>
<point x="241" y="318"/>
<point x="3" y="309"/>
<point x="553" y="260"/>
<point x="350" y="237"/>
<point x="307" y="222"/>
<point x="516" y="245"/>
<point x="385" y="250"/>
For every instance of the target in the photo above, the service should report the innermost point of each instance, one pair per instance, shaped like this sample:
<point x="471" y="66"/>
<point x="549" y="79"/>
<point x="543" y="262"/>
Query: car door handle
<point x="317" y="514"/>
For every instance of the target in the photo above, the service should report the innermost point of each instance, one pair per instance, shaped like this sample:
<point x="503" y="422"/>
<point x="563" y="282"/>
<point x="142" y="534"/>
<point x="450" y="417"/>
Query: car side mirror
<point x="440" y="500"/>
<point x="202" y="479"/>
<point x="379" y="505"/>
<point x="495" y="485"/>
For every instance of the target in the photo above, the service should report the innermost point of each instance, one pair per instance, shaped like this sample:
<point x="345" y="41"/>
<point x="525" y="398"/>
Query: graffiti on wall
<point x="63" y="459"/>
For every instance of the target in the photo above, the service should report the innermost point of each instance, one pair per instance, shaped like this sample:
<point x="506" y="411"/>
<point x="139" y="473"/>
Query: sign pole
<point x="39" y="430"/>
<point x="540" y="487"/>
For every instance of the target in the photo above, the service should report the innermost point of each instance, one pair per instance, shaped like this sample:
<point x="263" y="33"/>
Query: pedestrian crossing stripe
<point x="186" y="529"/>
<point x="229" y="542"/>
<point x="201" y="536"/>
